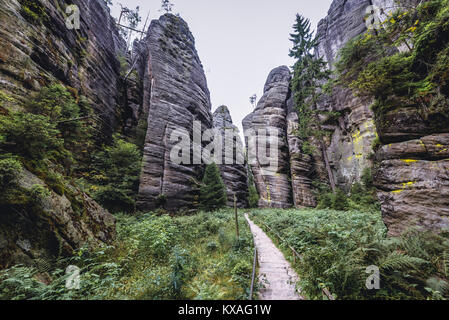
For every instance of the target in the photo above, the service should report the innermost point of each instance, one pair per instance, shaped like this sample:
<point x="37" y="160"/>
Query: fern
<point x="399" y="261"/>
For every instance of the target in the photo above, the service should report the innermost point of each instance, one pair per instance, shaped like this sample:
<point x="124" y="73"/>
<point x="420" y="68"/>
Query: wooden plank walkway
<point x="276" y="276"/>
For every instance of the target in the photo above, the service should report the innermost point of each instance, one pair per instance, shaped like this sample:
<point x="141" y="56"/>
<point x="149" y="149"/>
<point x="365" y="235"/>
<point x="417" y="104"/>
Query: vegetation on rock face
<point x="213" y="191"/>
<point x="361" y="197"/>
<point x="414" y="76"/>
<point x="337" y="247"/>
<point x="52" y="136"/>
<point x="195" y="257"/>
<point x="33" y="11"/>
<point x="310" y="74"/>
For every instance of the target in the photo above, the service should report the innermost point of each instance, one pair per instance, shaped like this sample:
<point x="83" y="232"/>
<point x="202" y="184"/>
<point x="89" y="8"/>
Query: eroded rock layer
<point x="233" y="166"/>
<point x="175" y="95"/>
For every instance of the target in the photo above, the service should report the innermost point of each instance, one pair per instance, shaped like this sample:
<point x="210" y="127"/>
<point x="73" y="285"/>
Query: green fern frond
<point x="398" y="261"/>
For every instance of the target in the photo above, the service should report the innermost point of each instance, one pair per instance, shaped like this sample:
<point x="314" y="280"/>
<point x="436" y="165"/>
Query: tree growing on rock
<point x="308" y="85"/>
<point x="167" y="6"/>
<point x="213" y="191"/>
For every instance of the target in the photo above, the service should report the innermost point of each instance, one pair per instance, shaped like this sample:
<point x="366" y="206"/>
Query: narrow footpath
<point x="276" y="277"/>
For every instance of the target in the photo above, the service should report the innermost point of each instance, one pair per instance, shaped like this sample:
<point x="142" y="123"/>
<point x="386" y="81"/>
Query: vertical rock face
<point x="38" y="49"/>
<point x="175" y="95"/>
<point x="272" y="184"/>
<point x="411" y="174"/>
<point x="302" y="166"/>
<point x="413" y="183"/>
<point x="349" y="150"/>
<point x="233" y="167"/>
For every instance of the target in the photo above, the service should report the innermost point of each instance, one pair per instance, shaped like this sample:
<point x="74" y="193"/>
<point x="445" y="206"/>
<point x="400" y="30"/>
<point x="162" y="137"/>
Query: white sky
<point x="239" y="41"/>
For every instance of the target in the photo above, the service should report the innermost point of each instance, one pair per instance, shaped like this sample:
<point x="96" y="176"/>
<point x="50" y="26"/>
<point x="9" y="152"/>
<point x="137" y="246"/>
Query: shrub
<point x="367" y="178"/>
<point x="38" y="193"/>
<point x="253" y="195"/>
<point x="10" y="172"/>
<point x="32" y="136"/>
<point x="340" y="200"/>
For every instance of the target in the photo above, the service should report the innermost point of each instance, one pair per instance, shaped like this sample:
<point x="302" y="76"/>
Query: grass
<point x="338" y="246"/>
<point x="154" y="257"/>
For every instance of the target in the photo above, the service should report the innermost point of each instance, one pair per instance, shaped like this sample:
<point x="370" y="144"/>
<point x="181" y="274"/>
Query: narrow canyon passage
<point x="276" y="276"/>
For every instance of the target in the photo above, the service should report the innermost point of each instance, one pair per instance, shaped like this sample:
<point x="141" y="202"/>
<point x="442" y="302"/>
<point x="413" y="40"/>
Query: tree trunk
<point x="328" y="167"/>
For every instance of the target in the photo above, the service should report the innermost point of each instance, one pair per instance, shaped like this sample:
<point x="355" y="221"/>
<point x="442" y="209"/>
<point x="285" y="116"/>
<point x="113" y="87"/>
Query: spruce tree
<point x="253" y="195"/>
<point x="310" y="76"/>
<point x="213" y="191"/>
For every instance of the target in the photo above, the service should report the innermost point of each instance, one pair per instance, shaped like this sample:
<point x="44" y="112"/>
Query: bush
<point x="32" y="136"/>
<point x="253" y="195"/>
<point x="10" y="172"/>
<point x="38" y="194"/>
<point x="340" y="200"/>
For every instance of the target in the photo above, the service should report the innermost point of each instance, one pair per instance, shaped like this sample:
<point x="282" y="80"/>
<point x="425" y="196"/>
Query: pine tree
<point x="310" y="75"/>
<point x="253" y="195"/>
<point x="213" y="191"/>
<point x="167" y="6"/>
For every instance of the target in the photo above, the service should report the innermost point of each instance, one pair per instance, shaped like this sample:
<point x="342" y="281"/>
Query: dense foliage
<point x="52" y="135"/>
<point x="362" y="195"/>
<point x="116" y="175"/>
<point x="154" y="257"/>
<point x="337" y="247"/>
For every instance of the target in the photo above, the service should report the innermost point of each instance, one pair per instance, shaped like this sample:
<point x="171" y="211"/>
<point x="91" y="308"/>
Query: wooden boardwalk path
<point x="276" y="276"/>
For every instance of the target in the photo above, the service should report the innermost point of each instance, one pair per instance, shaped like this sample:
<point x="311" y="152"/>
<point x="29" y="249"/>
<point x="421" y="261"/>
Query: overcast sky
<point x="239" y="41"/>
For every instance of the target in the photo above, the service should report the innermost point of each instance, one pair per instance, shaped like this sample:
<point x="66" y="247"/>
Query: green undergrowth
<point x="338" y="246"/>
<point x="154" y="257"/>
<point x="362" y="195"/>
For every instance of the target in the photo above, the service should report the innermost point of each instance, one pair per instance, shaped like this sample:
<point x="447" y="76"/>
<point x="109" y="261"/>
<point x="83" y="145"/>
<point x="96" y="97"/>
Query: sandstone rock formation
<point x="412" y="173"/>
<point x="38" y="49"/>
<point x="175" y="95"/>
<point x="272" y="183"/>
<point x="411" y="167"/>
<point x="233" y="167"/>
<point x="52" y="228"/>
<point x="349" y="150"/>
<point x="303" y="167"/>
